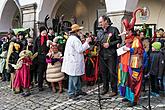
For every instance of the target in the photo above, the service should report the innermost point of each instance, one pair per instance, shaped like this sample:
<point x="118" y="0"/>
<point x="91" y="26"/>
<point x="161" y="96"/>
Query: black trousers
<point x="33" y="72"/>
<point x="107" y="68"/>
<point x="154" y="83"/>
<point x="161" y="81"/>
<point x="41" y="69"/>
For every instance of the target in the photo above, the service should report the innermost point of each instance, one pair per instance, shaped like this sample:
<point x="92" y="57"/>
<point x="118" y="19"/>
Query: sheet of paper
<point x="120" y="51"/>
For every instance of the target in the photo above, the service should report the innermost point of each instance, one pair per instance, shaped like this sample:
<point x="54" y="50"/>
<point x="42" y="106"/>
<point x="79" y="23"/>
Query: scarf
<point x="43" y="38"/>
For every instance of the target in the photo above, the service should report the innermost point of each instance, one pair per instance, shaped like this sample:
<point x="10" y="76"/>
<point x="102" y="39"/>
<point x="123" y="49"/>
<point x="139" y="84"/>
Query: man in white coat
<point x="73" y="62"/>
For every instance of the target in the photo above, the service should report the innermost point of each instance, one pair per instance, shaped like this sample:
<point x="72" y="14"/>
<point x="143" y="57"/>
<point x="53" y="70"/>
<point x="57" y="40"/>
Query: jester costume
<point x="130" y="66"/>
<point x="130" y="72"/>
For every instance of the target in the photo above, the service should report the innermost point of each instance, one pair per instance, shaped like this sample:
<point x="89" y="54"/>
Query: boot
<point x="60" y="86"/>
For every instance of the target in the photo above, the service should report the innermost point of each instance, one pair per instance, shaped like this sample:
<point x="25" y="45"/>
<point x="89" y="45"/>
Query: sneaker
<point x="23" y="93"/>
<point x="26" y="94"/>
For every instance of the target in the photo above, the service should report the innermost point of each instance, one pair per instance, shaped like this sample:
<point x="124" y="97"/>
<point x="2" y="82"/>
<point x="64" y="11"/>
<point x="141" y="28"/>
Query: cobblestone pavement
<point x="46" y="100"/>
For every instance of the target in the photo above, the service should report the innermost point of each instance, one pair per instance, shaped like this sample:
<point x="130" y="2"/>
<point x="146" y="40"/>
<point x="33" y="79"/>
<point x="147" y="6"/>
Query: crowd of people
<point x="28" y="61"/>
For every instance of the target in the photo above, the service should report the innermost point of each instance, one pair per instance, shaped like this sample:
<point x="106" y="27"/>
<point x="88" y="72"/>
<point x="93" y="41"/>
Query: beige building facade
<point x="31" y="13"/>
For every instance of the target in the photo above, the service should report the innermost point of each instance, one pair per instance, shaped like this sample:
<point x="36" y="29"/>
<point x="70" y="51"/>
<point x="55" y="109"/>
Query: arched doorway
<point x="83" y="10"/>
<point x="16" y="22"/>
<point x="10" y="16"/>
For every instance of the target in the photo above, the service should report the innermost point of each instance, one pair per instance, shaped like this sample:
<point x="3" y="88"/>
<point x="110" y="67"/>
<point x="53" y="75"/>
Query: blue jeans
<point x="74" y="85"/>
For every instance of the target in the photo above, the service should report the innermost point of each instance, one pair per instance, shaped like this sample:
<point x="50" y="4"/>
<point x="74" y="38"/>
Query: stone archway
<point x="83" y="10"/>
<point x="116" y="10"/>
<point x="46" y="7"/>
<point x="10" y="16"/>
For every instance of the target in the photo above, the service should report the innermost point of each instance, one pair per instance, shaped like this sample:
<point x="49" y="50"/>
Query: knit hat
<point x="42" y="28"/>
<point x="156" y="45"/>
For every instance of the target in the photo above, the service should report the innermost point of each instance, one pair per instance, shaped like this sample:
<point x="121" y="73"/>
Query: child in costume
<point x="157" y="63"/>
<point x="53" y="72"/>
<point x="33" y="72"/>
<point x="91" y="65"/>
<point x="22" y="75"/>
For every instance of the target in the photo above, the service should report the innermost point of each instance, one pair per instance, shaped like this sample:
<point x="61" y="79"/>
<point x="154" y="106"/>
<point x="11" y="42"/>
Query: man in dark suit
<point x="109" y="39"/>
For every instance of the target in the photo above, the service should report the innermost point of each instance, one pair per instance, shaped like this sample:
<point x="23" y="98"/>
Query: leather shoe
<point x="73" y="97"/>
<point x="112" y="94"/>
<point x="103" y="92"/>
<point x="125" y="100"/>
<point x="132" y="104"/>
<point x="82" y="93"/>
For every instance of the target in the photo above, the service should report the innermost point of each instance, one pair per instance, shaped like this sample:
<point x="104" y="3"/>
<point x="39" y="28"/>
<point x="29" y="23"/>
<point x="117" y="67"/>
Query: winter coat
<point x="53" y="72"/>
<point x="102" y="37"/>
<point x="156" y="63"/>
<point x="73" y="61"/>
<point x="41" y="49"/>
